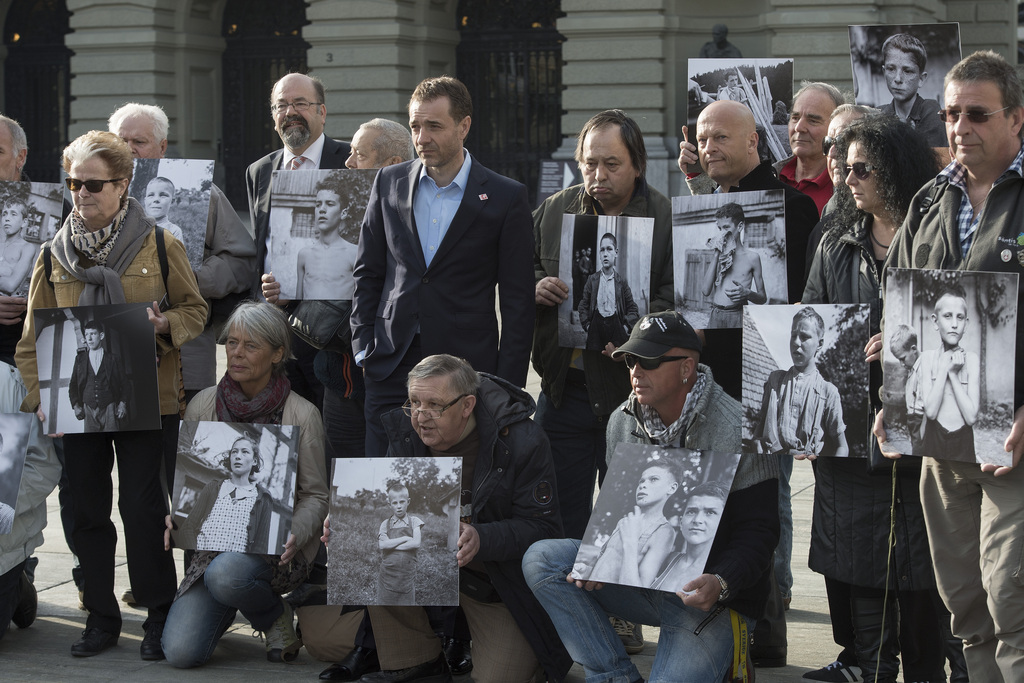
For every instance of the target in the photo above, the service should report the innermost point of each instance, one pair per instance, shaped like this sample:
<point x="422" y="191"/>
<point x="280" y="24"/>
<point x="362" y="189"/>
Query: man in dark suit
<point x="439" y="233"/>
<point x="299" y="112"/>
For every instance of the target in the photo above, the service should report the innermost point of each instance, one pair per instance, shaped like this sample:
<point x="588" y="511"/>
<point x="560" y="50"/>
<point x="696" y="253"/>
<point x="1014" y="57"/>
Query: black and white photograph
<point x="764" y="85"/>
<point x="14" y="431"/>
<point x="234" y="487"/>
<point x="30" y="214"/>
<point x="394" y="531"/>
<point x="947" y="387"/>
<point x="315" y="218"/>
<point x="97" y="369"/>
<point x="176" y="194"/>
<point x="606" y="262"/>
<point x="805" y="382"/>
<point x="729" y="250"/>
<point x="900" y="70"/>
<point x="655" y="517"/>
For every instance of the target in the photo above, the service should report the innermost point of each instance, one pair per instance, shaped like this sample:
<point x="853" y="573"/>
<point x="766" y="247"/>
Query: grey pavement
<point x="42" y="652"/>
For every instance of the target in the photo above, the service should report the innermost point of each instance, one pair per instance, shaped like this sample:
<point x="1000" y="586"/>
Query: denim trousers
<point x="199" y="617"/>
<point x="784" y="551"/>
<point x="694" y="647"/>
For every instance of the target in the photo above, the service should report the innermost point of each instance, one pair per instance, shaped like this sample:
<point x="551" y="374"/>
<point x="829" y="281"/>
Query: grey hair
<point x="264" y="323"/>
<point x="394" y="140"/>
<point x="860" y="110"/>
<point x="462" y="378"/>
<point x="132" y="110"/>
<point x="831" y="91"/>
<point x="18" y="138"/>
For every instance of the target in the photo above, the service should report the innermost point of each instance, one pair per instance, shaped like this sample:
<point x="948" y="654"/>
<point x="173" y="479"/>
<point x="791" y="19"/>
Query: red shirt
<point x="819" y="189"/>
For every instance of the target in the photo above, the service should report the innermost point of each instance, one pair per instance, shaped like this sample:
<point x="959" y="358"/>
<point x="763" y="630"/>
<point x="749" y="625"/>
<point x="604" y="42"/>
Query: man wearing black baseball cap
<point x="674" y="402"/>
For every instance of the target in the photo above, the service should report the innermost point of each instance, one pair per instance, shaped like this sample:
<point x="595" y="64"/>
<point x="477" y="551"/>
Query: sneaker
<point x="282" y="643"/>
<point x="128" y="598"/>
<point x="631" y="635"/>
<point x="836" y="672"/>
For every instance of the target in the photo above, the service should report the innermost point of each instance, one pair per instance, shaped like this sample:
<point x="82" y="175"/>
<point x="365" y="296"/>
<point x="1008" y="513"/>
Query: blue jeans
<point x="197" y="619"/>
<point x="695" y="646"/>
<point x="577" y="438"/>
<point x="784" y="551"/>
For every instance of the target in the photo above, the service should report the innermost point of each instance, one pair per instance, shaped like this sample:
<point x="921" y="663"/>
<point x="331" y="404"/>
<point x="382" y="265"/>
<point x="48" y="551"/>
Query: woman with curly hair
<point x="886" y="162"/>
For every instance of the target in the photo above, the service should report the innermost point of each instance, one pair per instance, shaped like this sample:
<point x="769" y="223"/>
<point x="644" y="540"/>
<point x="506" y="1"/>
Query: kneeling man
<point x="675" y="402"/>
<point x="508" y="502"/>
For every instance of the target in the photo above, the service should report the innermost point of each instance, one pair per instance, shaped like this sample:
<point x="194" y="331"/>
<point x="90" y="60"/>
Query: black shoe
<point x="151" y="650"/>
<point x="769" y="657"/>
<point x="435" y="671"/>
<point x="459" y="655"/>
<point x="356" y="663"/>
<point x="28" y="603"/>
<point x="93" y="642"/>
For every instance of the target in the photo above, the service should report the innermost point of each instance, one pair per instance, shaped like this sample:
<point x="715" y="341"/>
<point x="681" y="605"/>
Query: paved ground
<point x="42" y="652"/>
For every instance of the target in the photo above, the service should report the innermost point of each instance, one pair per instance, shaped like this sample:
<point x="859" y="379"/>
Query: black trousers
<point x="382" y="397"/>
<point x="142" y="502"/>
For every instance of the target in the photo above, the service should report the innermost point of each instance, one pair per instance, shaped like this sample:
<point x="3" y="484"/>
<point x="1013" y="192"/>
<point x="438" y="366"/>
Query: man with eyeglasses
<point x="675" y="402"/>
<point x="508" y="501"/>
<point x="299" y="111"/>
<point x="969" y="218"/>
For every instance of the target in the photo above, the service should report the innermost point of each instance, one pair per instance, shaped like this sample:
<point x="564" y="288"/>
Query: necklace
<point x="875" y="240"/>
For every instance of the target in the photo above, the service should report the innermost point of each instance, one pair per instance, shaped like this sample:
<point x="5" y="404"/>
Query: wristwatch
<point x="724" y="595"/>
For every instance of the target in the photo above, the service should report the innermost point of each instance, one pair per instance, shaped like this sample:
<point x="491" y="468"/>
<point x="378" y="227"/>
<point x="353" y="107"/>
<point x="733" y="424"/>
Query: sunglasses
<point x="827" y="143"/>
<point x="649" y="363"/>
<point x="860" y="169"/>
<point x="94" y="186"/>
<point x="973" y="115"/>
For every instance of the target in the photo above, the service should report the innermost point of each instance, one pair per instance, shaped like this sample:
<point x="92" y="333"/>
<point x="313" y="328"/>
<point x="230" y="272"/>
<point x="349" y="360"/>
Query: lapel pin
<point x="483" y="197"/>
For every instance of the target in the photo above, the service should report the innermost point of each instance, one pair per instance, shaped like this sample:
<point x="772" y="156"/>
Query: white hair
<point x="130" y="110"/>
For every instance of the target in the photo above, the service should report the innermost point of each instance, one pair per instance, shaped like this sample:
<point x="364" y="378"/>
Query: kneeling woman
<point x="254" y="390"/>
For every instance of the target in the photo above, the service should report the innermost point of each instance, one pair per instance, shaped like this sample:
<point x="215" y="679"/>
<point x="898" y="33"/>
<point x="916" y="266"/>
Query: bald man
<point x="727" y="148"/>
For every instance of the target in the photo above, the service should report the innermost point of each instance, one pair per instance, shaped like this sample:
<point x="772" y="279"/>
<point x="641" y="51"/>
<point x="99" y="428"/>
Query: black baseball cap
<point x="655" y="334"/>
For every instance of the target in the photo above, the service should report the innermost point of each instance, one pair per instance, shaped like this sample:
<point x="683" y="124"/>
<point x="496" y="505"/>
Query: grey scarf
<point x="103" y="283"/>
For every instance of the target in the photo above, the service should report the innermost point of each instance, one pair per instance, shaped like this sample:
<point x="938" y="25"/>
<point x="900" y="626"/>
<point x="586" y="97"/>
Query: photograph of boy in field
<point x="393" y="532"/>
<point x="947" y="388"/>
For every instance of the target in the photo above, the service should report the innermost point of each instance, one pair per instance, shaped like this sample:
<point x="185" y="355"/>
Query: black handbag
<point x="323" y="324"/>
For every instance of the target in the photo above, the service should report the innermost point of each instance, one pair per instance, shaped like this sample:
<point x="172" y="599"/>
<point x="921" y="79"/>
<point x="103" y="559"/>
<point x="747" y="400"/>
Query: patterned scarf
<point x="266" y="407"/>
<point x="96" y="245"/>
<point x="672" y="434"/>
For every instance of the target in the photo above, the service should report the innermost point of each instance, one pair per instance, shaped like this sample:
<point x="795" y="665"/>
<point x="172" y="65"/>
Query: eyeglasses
<point x="300" y="106"/>
<point x="973" y="115"/>
<point x="649" y="363"/>
<point x="860" y="169"/>
<point x="94" y="186"/>
<point x="431" y="413"/>
<point x="827" y="143"/>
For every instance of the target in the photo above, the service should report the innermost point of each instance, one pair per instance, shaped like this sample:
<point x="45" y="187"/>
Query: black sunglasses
<point x="973" y="115"/>
<point x="94" y="186"/>
<point x="860" y="169"/>
<point x="649" y="363"/>
<point x="826" y="144"/>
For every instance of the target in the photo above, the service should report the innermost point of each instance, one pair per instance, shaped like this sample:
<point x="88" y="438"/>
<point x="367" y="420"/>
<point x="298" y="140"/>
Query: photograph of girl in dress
<point x="655" y="517"/>
<point x="394" y="531"/>
<point x="221" y="497"/>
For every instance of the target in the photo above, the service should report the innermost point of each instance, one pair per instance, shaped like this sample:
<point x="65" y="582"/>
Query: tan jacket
<point x="142" y="282"/>
<point x="311" y="471"/>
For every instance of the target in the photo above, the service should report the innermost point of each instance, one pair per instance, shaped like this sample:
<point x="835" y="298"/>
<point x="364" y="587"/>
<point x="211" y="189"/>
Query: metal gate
<point x="263" y="43"/>
<point x="37" y="81"/>
<point x="510" y="58"/>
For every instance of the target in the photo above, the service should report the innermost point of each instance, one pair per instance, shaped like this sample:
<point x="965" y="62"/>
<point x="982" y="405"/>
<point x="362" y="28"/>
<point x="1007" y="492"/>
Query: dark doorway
<point x="37" y="81"/>
<point x="264" y="42"/>
<point x="510" y="58"/>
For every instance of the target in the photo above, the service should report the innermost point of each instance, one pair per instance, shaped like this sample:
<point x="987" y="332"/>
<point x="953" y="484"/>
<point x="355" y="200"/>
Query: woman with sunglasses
<point x="884" y="163"/>
<point x="106" y="253"/>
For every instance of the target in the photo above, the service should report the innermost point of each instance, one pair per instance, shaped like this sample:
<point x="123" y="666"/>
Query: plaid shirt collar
<point x="956" y="174"/>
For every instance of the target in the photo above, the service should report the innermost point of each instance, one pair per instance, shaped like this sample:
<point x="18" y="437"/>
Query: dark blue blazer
<point x="451" y="303"/>
<point x="257" y="187"/>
